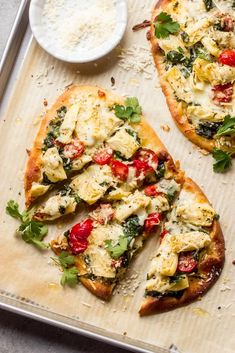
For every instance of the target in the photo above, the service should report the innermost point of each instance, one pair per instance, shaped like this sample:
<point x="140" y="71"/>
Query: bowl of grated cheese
<point x="78" y="31"/>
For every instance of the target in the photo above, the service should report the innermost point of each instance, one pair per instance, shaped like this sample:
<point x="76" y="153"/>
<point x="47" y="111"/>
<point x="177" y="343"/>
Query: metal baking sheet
<point x="197" y="328"/>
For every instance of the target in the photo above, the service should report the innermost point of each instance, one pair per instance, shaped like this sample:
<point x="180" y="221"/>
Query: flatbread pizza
<point x="193" y="46"/>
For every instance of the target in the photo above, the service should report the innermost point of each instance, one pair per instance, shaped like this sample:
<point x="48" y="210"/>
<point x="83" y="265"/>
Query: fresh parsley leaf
<point x="164" y="25"/>
<point x="69" y="277"/>
<point x="12" y="209"/>
<point x="134" y="104"/>
<point x="66" y="259"/>
<point x="228" y="127"/>
<point x="223" y="161"/>
<point x="117" y="250"/>
<point x="32" y="232"/>
<point x="130" y="112"/>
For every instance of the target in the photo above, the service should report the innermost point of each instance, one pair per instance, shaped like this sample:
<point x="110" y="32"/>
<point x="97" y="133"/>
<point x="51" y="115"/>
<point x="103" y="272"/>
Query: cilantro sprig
<point x="117" y="250"/>
<point x="32" y="232"/>
<point x="131" y="111"/>
<point x="70" y="274"/>
<point x="164" y="25"/>
<point x="228" y="127"/>
<point x="223" y="160"/>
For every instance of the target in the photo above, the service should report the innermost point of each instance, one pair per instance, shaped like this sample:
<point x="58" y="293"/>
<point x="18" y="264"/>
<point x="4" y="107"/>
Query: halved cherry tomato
<point x="148" y="156"/>
<point x="74" y="149"/>
<point x="163" y="233"/>
<point x="187" y="263"/>
<point x="119" y="169"/>
<point x="141" y="167"/>
<point x="227" y="57"/>
<point x="223" y="93"/>
<point x="153" y="220"/>
<point x="78" y="236"/>
<point x="151" y="190"/>
<point x="103" y="157"/>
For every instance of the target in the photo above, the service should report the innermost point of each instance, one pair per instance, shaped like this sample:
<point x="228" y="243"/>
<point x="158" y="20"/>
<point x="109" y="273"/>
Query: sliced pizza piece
<point x="118" y="169"/>
<point x="190" y="256"/>
<point x="193" y="45"/>
<point x="104" y="243"/>
<point x="70" y="133"/>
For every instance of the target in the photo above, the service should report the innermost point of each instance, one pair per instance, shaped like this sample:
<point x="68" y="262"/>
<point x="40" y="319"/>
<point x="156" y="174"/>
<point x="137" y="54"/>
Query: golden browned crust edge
<point x="175" y="107"/>
<point x="211" y="267"/>
<point x="34" y="164"/>
<point x="97" y="287"/>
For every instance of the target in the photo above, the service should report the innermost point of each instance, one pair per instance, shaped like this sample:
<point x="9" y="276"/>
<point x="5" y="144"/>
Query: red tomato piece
<point x="103" y="157"/>
<point x="78" y="236"/>
<point x="223" y="93"/>
<point x="74" y="149"/>
<point x="187" y="263"/>
<point x="120" y="170"/>
<point x="151" y="190"/>
<point x="148" y="156"/>
<point x="153" y="220"/>
<point x="78" y="246"/>
<point x="227" y="57"/>
<point x="141" y="167"/>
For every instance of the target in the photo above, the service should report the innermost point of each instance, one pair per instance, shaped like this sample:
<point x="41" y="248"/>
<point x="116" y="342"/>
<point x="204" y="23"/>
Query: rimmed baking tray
<point x="29" y="283"/>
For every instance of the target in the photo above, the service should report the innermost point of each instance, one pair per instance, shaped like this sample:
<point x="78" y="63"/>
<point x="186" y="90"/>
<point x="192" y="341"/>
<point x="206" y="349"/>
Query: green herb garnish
<point x="228" y="127"/>
<point x="32" y="232"/>
<point x="223" y="161"/>
<point x="164" y="25"/>
<point x="70" y="274"/>
<point x="132" y="227"/>
<point x="69" y="277"/>
<point x="117" y="250"/>
<point x="175" y="57"/>
<point x="130" y="112"/>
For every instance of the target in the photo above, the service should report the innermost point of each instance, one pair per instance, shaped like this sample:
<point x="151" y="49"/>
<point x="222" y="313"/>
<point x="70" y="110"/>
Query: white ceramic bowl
<point x="42" y="36"/>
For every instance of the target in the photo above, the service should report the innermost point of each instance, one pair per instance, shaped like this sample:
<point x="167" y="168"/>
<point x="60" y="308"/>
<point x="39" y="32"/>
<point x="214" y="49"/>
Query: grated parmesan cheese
<point x="79" y="25"/>
<point x="138" y="59"/>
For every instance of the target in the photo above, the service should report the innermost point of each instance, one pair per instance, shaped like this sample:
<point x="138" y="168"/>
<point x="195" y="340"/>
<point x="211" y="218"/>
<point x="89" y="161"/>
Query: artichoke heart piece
<point x="92" y="184"/>
<point x="213" y="73"/>
<point x="166" y="260"/>
<point x="55" y="207"/>
<point x="123" y="142"/>
<point x="194" y="240"/>
<point x="164" y="284"/>
<point x="38" y="189"/>
<point x="53" y="165"/>
<point x="198" y="214"/>
<point x="131" y="205"/>
<point x="179" y="84"/>
<point x="68" y="125"/>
